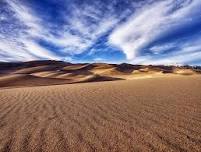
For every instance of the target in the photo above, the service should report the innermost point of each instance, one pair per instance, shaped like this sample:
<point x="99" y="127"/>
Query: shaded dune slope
<point x="28" y="80"/>
<point x="57" y="72"/>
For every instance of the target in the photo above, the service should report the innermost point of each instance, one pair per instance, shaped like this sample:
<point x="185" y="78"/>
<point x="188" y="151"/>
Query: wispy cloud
<point x="158" y="49"/>
<point x="146" y="31"/>
<point x="88" y="23"/>
<point x="21" y="45"/>
<point x="150" y="22"/>
<point x="186" y="52"/>
<point x="170" y="59"/>
<point x="80" y="30"/>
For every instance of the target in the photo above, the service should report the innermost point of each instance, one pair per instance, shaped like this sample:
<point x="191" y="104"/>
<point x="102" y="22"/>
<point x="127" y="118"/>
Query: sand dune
<point x="37" y="73"/>
<point x="160" y="114"/>
<point x="22" y="80"/>
<point x="30" y="70"/>
<point x="184" y="71"/>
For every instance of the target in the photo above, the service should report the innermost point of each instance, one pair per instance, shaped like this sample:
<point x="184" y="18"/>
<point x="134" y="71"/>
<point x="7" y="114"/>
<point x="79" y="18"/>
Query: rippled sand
<point x="156" y="114"/>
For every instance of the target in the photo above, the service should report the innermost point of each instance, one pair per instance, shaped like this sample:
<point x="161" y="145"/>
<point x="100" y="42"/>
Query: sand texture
<point x="157" y="114"/>
<point x="48" y="72"/>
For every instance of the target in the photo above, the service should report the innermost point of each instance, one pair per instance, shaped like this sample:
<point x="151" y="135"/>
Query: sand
<point x="50" y="72"/>
<point x="155" y="114"/>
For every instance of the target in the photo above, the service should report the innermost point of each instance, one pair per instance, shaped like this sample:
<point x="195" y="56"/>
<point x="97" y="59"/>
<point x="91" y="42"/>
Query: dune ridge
<point x="52" y="106"/>
<point x="49" y="72"/>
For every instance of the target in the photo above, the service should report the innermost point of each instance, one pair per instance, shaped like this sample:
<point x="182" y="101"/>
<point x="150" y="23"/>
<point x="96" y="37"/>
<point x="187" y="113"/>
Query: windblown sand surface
<point x="157" y="114"/>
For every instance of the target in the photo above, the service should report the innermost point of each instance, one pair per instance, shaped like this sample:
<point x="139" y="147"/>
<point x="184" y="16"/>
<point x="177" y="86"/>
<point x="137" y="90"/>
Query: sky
<point x="111" y="31"/>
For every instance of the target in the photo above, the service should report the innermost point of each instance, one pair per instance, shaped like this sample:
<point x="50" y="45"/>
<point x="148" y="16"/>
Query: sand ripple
<point x="161" y="114"/>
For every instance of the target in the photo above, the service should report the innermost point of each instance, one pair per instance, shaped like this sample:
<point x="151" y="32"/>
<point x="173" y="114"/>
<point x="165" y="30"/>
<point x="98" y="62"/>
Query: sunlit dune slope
<point x="58" y="72"/>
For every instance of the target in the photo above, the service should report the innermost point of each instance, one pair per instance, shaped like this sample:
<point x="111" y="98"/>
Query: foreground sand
<point x="157" y="114"/>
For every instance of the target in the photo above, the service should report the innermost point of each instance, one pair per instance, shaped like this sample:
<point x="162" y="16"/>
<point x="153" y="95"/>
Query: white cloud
<point x="26" y="16"/>
<point x="28" y="50"/>
<point x="10" y="52"/>
<point x="180" y="58"/>
<point x="148" y="23"/>
<point x="158" y="49"/>
<point x="85" y="24"/>
<point x="186" y="53"/>
<point x="88" y="23"/>
<point x="39" y="51"/>
<point x="21" y="45"/>
<point x="73" y="38"/>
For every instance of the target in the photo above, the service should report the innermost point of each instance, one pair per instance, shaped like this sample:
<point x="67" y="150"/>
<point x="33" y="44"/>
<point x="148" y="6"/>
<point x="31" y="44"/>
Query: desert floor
<point x="156" y="114"/>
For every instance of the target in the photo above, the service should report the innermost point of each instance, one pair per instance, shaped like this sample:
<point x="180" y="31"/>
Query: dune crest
<point x="48" y="72"/>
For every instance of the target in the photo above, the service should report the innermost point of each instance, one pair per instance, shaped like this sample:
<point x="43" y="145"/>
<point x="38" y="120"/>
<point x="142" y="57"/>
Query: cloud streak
<point x="81" y="28"/>
<point x="20" y="45"/>
<point x="149" y="23"/>
<point x="146" y="31"/>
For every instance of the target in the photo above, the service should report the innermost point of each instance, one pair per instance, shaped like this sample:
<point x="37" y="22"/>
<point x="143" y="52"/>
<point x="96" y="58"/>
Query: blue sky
<point x="113" y="31"/>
